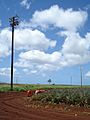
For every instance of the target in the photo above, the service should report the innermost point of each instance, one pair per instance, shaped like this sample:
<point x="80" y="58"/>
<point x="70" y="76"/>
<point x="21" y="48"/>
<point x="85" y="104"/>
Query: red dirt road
<point x="13" y="107"/>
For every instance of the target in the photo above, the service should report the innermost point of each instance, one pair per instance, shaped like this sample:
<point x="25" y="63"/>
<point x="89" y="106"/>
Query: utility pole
<point x="81" y="75"/>
<point x="71" y="80"/>
<point x="13" y="22"/>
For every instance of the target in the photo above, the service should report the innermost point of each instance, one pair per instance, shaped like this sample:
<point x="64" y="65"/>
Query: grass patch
<point x="24" y="87"/>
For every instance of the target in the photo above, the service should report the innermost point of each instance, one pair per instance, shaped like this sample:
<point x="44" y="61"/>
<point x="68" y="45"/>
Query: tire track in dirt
<point x="12" y="106"/>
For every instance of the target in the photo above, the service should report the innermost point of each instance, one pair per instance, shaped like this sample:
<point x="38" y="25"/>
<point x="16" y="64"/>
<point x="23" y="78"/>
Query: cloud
<point x="58" y="17"/>
<point x="5" y="38"/>
<point x="69" y="55"/>
<point x="28" y="71"/>
<point x="32" y="44"/>
<point x="74" y="39"/>
<point x="87" y="7"/>
<point x="75" y="51"/>
<point x="88" y="74"/>
<point x="6" y="71"/>
<point x="40" y="56"/>
<point x="39" y="61"/>
<point x="25" y="3"/>
<point x="32" y="39"/>
<point x="25" y="39"/>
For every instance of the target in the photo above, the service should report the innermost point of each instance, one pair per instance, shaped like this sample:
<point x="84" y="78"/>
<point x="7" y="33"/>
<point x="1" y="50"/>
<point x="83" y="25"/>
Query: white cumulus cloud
<point x="25" y="39"/>
<point x="39" y="60"/>
<point x="68" y="19"/>
<point x="88" y="74"/>
<point x="5" y="38"/>
<point x="74" y="43"/>
<point x="6" y="71"/>
<point x="33" y="45"/>
<point x="75" y="51"/>
<point x="25" y="3"/>
<point x="32" y="39"/>
<point x="40" y="56"/>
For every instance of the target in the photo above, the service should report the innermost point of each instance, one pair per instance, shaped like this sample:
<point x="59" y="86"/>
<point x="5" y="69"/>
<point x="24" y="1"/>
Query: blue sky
<point x="52" y="41"/>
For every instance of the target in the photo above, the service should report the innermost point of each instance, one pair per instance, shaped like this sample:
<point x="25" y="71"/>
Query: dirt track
<point x="12" y="107"/>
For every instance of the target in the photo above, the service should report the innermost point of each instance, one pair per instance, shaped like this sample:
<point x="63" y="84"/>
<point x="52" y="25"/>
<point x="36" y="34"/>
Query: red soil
<point x="13" y="107"/>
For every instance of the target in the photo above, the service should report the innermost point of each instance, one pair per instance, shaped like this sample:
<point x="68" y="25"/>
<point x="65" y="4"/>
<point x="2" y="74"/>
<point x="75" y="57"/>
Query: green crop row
<point x="80" y="97"/>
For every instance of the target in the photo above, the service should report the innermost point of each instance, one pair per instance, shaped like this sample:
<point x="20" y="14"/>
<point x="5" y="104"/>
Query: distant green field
<point x="22" y="87"/>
